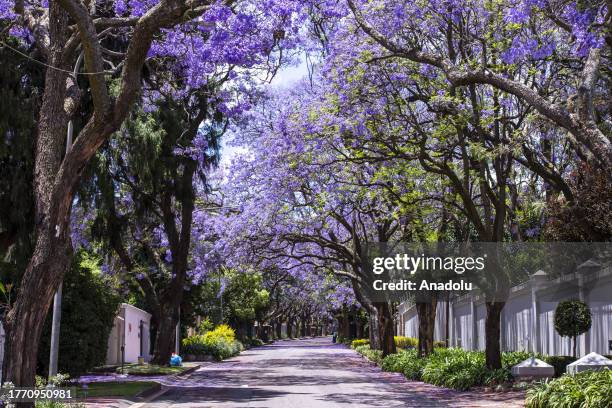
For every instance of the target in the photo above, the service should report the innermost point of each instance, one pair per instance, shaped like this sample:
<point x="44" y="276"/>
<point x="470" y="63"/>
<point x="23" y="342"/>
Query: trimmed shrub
<point x="560" y="363"/>
<point x="440" y="344"/>
<point x="572" y="318"/>
<point x="359" y="342"/>
<point x="405" y="342"/>
<point x="592" y="389"/>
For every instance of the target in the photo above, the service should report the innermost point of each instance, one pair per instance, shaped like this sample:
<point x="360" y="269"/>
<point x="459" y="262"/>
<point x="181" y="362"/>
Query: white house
<point x="131" y="329"/>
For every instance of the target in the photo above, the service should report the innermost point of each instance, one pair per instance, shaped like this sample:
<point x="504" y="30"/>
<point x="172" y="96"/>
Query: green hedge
<point x="592" y="389"/>
<point x="452" y="367"/>
<point x="400" y="342"/>
<point x="559" y="362"/>
<point x="89" y="305"/>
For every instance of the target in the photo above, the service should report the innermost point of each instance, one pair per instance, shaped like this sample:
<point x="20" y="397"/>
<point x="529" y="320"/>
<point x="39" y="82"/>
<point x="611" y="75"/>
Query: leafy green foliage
<point x="405" y="342"/>
<point x="219" y="343"/>
<point x="455" y="368"/>
<point x="372" y="355"/>
<point x="406" y="362"/>
<point x="592" y="389"/>
<point x="572" y="318"/>
<point x="254" y="342"/>
<point x="244" y="297"/>
<point x="89" y="305"/>
<point x="559" y="363"/>
<point x="359" y="342"/>
<point x="451" y="367"/>
<point x="20" y="98"/>
<point x="205" y="326"/>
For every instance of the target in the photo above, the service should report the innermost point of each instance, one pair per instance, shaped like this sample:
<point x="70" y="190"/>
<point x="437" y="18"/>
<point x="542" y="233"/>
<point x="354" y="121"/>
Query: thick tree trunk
<point x="375" y="339"/>
<point x="426" y="312"/>
<point x="385" y="328"/>
<point x="165" y="343"/>
<point x="492" y="334"/>
<point x="303" y="327"/>
<point x="53" y="249"/>
<point x="180" y="242"/>
<point x="345" y="328"/>
<point x="26" y="319"/>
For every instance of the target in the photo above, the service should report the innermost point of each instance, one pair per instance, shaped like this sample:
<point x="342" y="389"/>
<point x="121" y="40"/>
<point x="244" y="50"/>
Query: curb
<point x="149" y="391"/>
<point x="158" y="390"/>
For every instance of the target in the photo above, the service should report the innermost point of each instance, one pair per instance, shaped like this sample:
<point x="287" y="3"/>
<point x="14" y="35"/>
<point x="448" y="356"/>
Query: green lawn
<point x="115" y="389"/>
<point x="150" y="369"/>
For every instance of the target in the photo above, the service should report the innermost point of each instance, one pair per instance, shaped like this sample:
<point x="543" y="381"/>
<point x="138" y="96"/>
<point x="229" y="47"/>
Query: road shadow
<point x="205" y="396"/>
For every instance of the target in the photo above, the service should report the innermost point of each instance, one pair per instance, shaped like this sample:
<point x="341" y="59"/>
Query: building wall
<point x="527" y="318"/>
<point x="126" y="330"/>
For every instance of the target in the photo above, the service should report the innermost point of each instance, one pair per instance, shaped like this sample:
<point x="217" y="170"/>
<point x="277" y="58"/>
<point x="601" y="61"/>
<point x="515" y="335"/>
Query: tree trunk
<point x="279" y="329"/>
<point x="385" y="328"/>
<point x="575" y="341"/>
<point x="53" y="250"/>
<point x="375" y="339"/>
<point x="166" y="335"/>
<point x="426" y="312"/>
<point x="492" y="334"/>
<point x="289" y="328"/>
<point x="26" y="319"/>
<point x="303" y="328"/>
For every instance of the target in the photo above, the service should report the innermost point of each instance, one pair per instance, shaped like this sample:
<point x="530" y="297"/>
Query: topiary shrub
<point x="572" y="318"/>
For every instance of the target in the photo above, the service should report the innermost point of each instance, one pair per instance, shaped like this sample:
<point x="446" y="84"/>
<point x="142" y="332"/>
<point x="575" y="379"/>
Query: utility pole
<point x="57" y="299"/>
<point x="220" y="297"/>
<point x="177" y="335"/>
<point x="55" y="328"/>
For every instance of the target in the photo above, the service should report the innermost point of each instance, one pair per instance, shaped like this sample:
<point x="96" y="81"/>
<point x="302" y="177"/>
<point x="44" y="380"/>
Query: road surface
<point x="312" y="373"/>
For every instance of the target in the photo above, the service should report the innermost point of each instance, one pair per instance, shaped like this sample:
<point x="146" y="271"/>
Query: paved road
<point x="312" y="373"/>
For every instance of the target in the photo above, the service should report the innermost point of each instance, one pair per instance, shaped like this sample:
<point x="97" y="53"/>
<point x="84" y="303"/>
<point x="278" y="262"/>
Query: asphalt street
<point x="312" y="373"/>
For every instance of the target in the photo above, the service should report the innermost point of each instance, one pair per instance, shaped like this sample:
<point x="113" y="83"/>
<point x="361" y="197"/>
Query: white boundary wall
<point x="520" y="329"/>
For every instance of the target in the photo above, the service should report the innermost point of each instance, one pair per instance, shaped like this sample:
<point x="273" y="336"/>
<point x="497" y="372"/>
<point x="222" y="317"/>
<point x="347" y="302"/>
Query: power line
<point x="47" y="65"/>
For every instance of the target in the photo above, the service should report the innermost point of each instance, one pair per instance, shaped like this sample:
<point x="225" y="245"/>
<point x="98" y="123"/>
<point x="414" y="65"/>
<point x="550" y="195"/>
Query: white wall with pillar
<point x="528" y="316"/>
